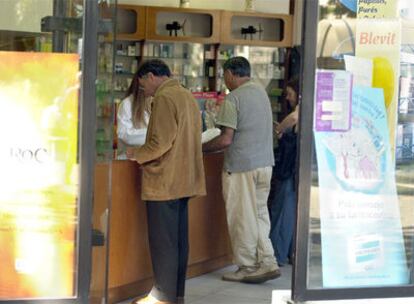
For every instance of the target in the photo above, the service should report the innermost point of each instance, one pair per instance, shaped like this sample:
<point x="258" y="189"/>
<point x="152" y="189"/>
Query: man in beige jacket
<point x="173" y="171"/>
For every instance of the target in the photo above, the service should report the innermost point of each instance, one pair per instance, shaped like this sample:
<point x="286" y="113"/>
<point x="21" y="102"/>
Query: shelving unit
<point x="104" y="101"/>
<point x="268" y="68"/>
<point x="131" y="22"/>
<point x="405" y="127"/>
<point x="195" y="43"/>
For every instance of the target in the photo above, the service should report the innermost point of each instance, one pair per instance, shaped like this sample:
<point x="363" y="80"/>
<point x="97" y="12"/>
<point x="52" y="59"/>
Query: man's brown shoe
<point x="262" y="275"/>
<point x="238" y="275"/>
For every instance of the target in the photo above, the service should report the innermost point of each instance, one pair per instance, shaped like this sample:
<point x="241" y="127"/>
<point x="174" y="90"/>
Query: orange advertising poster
<point x="39" y="176"/>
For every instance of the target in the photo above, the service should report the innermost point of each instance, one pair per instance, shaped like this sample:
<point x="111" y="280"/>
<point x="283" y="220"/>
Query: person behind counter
<point x="247" y="137"/>
<point x="283" y="205"/>
<point x="173" y="172"/>
<point x="133" y="117"/>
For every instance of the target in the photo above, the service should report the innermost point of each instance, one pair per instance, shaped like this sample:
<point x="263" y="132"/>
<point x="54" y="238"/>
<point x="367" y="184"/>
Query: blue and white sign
<point x="362" y="241"/>
<point x="350" y="4"/>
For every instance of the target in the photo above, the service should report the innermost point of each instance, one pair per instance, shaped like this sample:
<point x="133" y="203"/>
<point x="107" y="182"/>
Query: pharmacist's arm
<point x="288" y="122"/>
<point x="132" y="136"/>
<point x="126" y="131"/>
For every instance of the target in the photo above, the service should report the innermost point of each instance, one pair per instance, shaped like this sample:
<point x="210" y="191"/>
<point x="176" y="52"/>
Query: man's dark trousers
<point x="168" y="241"/>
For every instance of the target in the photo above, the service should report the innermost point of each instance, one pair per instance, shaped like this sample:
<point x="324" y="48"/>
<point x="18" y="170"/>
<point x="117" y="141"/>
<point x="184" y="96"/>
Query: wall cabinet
<point x="194" y="43"/>
<point x="131" y="22"/>
<point x="185" y="25"/>
<point x="256" y="29"/>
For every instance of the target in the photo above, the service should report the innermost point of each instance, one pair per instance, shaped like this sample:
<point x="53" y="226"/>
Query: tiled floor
<point x="210" y="289"/>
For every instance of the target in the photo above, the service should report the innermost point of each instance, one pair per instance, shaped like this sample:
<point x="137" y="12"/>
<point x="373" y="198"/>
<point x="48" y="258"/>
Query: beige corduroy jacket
<point x="171" y="157"/>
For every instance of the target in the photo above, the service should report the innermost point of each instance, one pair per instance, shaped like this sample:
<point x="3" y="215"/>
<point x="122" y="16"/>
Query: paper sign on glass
<point x="333" y="100"/>
<point x="361" y="234"/>
<point x="380" y="41"/>
<point x="361" y="69"/>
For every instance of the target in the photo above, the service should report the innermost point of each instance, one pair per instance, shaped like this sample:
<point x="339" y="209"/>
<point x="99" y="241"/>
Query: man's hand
<point x="130" y="151"/>
<point x="220" y="142"/>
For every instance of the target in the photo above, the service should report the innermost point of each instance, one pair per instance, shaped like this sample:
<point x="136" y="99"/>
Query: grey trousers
<point x="168" y="241"/>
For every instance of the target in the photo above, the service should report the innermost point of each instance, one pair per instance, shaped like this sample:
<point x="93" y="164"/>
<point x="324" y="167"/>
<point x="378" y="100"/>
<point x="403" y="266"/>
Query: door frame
<point x="300" y="291"/>
<point x="87" y="121"/>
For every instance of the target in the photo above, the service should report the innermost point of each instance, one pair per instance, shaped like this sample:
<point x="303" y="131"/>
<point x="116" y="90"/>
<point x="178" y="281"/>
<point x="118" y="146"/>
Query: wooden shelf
<point x="131" y="22"/>
<point x="211" y="28"/>
<point x="201" y="26"/>
<point x="277" y="29"/>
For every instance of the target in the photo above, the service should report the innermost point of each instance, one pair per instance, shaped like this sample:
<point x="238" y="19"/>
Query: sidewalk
<point x="283" y="297"/>
<point x="210" y="289"/>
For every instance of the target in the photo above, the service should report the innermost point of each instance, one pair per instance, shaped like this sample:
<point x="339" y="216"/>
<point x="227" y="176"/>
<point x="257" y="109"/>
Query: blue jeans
<point x="283" y="219"/>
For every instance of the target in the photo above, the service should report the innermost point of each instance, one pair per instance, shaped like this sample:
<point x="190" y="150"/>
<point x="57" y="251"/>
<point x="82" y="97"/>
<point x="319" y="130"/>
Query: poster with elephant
<point x="361" y="236"/>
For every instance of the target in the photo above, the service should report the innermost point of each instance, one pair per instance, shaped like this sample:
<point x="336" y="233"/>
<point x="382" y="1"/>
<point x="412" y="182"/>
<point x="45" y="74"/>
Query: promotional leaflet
<point x="362" y="241"/>
<point x="209" y="104"/>
<point x="380" y="40"/>
<point x="361" y="70"/>
<point x="39" y="176"/>
<point x="333" y="100"/>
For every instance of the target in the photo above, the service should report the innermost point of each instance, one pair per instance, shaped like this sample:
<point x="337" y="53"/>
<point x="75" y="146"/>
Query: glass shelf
<point x="128" y="56"/>
<point x="405" y="118"/>
<point x="125" y="74"/>
<point x="167" y="58"/>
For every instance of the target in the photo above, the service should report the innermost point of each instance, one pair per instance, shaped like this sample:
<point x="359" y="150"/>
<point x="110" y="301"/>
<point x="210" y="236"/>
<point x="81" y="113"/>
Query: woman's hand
<point x="130" y="153"/>
<point x="276" y="128"/>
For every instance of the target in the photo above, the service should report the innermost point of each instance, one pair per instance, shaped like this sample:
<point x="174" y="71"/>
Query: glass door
<point x="355" y="221"/>
<point x="104" y="126"/>
<point x="48" y="59"/>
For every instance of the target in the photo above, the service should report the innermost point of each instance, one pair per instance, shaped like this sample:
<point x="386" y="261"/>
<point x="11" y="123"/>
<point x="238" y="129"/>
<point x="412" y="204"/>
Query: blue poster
<point x="362" y="241"/>
<point x="350" y="4"/>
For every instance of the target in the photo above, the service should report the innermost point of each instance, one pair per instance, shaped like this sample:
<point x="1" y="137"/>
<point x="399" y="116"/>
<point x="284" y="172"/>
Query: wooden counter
<point x="129" y="272"/>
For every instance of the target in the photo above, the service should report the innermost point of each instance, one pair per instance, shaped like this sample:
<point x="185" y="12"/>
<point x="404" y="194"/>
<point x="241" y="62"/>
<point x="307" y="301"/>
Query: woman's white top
<point x="125" y="129"/>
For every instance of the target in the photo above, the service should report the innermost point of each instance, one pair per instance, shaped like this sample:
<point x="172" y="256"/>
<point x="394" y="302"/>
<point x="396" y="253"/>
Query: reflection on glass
<point x="363" y="212"/>
<point x="40" y="177"/>
<point x="39" y="181"/>
<point x="267" y="69"/>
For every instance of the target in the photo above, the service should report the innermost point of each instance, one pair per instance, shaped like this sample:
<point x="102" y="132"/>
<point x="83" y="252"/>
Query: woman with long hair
<point x="133" y="117"/>
<point x="283" y="204"/>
